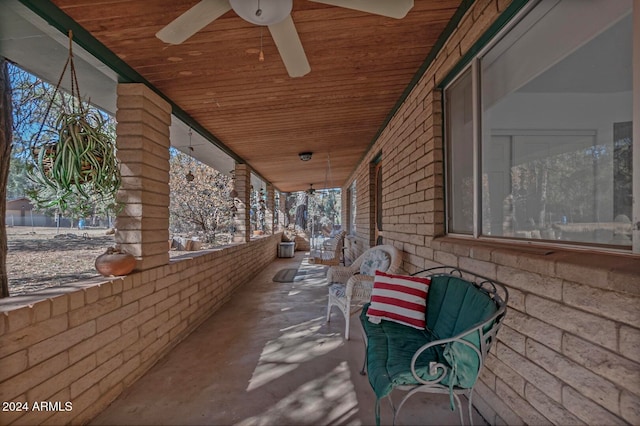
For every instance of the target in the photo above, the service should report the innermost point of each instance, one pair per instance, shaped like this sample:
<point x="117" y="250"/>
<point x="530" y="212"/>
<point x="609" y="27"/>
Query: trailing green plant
<point x="74" y="161"/>
<point x="77" y="161"/>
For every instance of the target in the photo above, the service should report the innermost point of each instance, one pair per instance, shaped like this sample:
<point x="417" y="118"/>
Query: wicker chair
<point x="348" y="284"/>
<point x="331" y="252"/>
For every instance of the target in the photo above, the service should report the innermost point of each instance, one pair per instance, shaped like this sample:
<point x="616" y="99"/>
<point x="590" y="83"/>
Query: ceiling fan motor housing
<point x="262" y="12"/>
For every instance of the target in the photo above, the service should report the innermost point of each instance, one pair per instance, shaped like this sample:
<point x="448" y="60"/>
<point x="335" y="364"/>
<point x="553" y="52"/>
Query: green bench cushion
<point x="390" y="348"/>
<point x="453" y="306"/>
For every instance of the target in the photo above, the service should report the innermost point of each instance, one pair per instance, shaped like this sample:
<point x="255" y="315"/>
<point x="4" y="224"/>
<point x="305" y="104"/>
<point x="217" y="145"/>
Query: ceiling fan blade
<point x="397" y="9"/>
<point x="193" y="20"/>
<point x="290" y="48"/>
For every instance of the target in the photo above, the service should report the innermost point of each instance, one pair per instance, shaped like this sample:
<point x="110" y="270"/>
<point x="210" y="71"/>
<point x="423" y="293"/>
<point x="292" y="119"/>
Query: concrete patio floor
<point x="268" y="358"/>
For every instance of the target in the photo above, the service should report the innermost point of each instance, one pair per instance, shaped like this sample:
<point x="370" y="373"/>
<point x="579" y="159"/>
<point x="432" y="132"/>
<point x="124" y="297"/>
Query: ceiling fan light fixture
<point x="262" y="12"/>
<point x="311" y="191"/>
<point x="305" y="156"/>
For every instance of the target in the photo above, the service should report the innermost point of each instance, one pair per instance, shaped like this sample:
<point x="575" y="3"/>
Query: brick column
<point x="434" y="172"/>
<point x="143" y="150"/>
<point x="281" y="217"/>
<point x="282" y="209"/>
<point x="268" y="215"/>
<point x="242" y="203"/>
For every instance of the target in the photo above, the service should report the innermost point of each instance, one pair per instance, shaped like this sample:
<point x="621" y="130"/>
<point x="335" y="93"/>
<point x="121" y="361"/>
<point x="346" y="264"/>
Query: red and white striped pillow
<point x="399" y="298"/>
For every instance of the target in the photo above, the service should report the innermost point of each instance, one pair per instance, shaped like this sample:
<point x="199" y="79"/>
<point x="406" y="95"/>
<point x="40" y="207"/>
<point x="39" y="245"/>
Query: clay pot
<point x="114" y="262"/>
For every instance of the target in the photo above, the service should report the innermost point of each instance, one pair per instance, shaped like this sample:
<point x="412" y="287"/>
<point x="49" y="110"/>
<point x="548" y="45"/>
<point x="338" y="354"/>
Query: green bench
<point x="463" y="314"/>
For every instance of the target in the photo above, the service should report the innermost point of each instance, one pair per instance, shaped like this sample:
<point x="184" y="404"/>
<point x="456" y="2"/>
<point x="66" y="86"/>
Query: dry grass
<point x="39" y="258"/>
<point x="46" y="257"/>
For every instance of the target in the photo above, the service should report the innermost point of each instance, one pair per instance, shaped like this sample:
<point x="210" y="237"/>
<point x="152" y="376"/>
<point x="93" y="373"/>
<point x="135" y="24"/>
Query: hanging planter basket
<point x="75" y="157"/>
<point x="79" y="155"/>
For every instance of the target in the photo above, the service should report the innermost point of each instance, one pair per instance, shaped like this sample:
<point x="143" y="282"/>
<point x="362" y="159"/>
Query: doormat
<point x="285" y="275"/>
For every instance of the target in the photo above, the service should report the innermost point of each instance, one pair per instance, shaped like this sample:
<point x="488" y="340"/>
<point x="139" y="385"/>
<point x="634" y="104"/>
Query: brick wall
<point x="569" y="350"/>
<point x="143" y="151"/>
<point x="85" y="345"/>
<point x="242" y="203"/>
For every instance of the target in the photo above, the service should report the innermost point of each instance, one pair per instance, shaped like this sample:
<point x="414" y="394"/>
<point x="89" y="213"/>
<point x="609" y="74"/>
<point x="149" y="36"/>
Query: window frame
<point x="376" y="205"/>
<point x="472" y="61"/>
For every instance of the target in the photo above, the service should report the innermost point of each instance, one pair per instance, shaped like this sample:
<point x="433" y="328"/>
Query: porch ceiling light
<point x="262" y="12"/>
<point x="311" y="191"/>
<point x="305" y="156"/>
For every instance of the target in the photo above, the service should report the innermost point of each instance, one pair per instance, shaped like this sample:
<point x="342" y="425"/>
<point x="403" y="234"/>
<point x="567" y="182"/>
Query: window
<point x="377" y="207"/>
<point x="351" y="200"/>
<point x="548" y="109"/>
<point x="460" y="151"/>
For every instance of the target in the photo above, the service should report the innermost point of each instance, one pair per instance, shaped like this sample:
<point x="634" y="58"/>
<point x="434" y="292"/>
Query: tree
<point x="200" y="205"/>
<point x="321" y="210"/>
<point x="299" y="210"/>
<point x="29" y="99"/>
<point x="6" y="135"/>
<point x="328" y="207"/>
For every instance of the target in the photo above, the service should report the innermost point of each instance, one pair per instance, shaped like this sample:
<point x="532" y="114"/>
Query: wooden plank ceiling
<point x="360" y="66"/>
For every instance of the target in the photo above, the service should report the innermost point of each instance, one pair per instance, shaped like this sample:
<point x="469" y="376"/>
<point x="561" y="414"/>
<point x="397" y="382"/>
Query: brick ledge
<point x="612" y="271"/>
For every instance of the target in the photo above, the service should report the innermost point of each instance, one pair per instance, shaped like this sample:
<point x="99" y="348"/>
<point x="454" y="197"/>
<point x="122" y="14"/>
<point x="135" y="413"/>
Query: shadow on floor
<point x="267" y="358"/>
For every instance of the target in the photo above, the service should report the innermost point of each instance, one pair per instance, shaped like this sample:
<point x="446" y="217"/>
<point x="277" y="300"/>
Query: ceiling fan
<point x="276" y="15"/>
